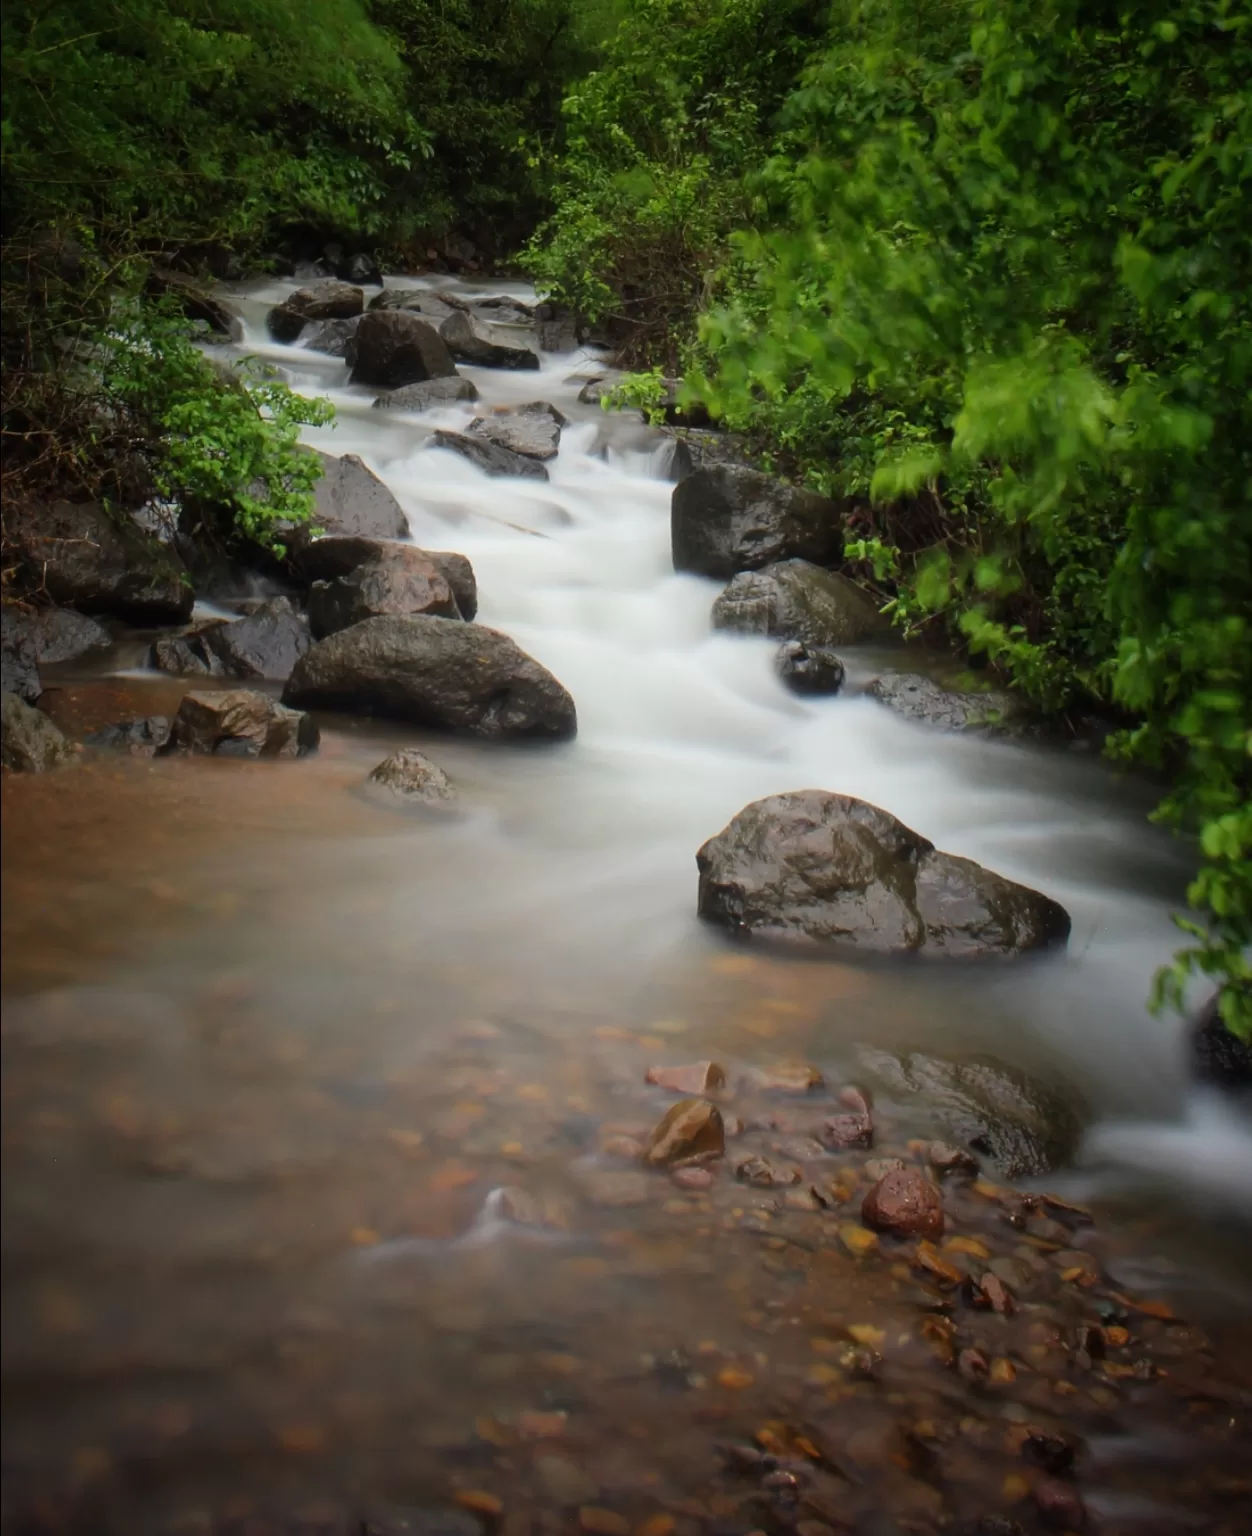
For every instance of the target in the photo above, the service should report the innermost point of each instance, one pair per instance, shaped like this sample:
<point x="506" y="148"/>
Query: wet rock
<point x="1059" y="1504"/>
<point x="329" y="558"/>
<point x="1217" y="1056"/>
<point x="786" y="1077"/>
<point x="189" y="654"/>
<point x="333" y="337"/>
<point x="102" y="562"/>
<point x="796" y="600"/>
<point x="57" y="634"/>
<point x="1054" y="1453"/>
<point x="267" y="643"/>
<point x="945" y="1159"/>
<point x="699" y="448"/>
<point x="240" y="723"/>
<point x="409" y="775"/>
<point x="420" y="397"/>
<point x="439" y="673"/>
<point x="19" y="656"/>
<point x="843" y="1133"/>
<point x="763" y="1174"/>
<point x="488" y="457"/>
<point x="350" y="499"/>
<point x="904" y="1203"/>
<point x="361" y="268"/>
<point x="595" y="389"/>
<point x="990" y="1291"/>
<point x="326" y="300"/>
<point x="699" y="1077"/>
<point x="1019" y="1125"/>
<point x="564" y="1481"/>
<point x="920" y="699"/>
<point x="29" y="741"/>
<point x="727" y="519"/>
<point x="432" y="307"/>
<point x="141" y="738"/>
<point x="691" y="1128"/>
<point x="393" y="348"/>
<point x="811" y="670"/>
<point x="826" y="869"/>
<point x="692" y="1177"/>
<point x="470" y="341"/>
<point x="879" y="1167"/>
<point x="399" y="580"/>
<point x="533" y="430"/>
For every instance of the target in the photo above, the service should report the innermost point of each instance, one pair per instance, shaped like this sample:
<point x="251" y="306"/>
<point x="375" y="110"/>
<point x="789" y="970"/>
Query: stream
<point x="272" y="1051"/>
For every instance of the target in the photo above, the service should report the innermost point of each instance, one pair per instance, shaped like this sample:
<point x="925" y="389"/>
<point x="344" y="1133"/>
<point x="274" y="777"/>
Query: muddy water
<point x="272" y="1052"/>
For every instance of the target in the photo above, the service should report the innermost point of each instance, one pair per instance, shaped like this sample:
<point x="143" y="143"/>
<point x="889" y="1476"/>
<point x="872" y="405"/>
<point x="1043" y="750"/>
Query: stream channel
<point x="270" y="1047"/>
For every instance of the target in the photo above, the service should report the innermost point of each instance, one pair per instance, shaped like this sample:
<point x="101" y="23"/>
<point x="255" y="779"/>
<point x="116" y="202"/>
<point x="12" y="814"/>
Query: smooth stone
<point x="402" y="581"/>
<point x="699" y="1077"/>
<point x="393" y="348"/>
<point x="490" y="457"/>
<point x="727" y="518"/>
<point x="810" y="670"/>
<point x="904" y="1203"/>
<point x="797" y="600"/>
<point x="690" y="1128"/>
<point x="326" y="559"/>
<point x="470" y="341"/>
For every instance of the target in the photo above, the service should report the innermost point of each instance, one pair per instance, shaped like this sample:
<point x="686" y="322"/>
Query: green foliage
<point x="219" y="441"/>
<point x="1021" y="230"/>
<point x="658" y="140"/>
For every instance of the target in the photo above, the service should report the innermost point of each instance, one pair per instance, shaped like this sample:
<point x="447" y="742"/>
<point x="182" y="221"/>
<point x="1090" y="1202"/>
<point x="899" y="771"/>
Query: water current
<point x="272" y="1051"/>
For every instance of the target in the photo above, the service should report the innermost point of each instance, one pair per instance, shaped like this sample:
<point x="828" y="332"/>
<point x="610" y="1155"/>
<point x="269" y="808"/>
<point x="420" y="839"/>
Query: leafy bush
<point x="1012" y="239"/>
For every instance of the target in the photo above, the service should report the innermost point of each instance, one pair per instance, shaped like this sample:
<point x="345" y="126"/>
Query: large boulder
<point x="351" y="499"/>
<point x="488" y="457"/>
<point x="470" y="341"/>
<point x="420" y="397"/>
<point x="919" y="698"/>
<point x="437" y="673"/>
<point x="1020" y="1126"/>
<point x="327" y="300"/>
<point x="360" y="268"/>
<point x="103" y="563"/>
<point x="431" y="306"/>
<point x="265" y="644"/>
<point x="402" y="580"/>
<point x="60" y="634"/>
<point x="556" y="327"/>
<point x="29" y="741"/>
<point x="829" y="870"/>
<point x="19" y="656"/>
<point x="333" y="337"/>
<point x="240" y="723"/>
<point x="533" y="430"/>
<point x="726" y="519"/>
<point x="795" y="600"/>
<point x="393" y="347"/>
<point x="329" y="558"/>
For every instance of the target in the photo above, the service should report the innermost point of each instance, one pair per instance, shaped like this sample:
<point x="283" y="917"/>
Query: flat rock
<point x="240" y="723"/>
<point x="923" y="700"/>
<point x="811" y="670"/>
<point x="421" y="397"/>
<point x="727" y="518"/>
<point x="796" y="600"/>
<point x="29" y="741"/>
<point x="438" y="673"/>
<point x="351" y="499"/>
<point x="393" y="348"/>
<point x="696" y="448"/>
<point x="411" y="777"/>
<point x="489" y="457"/>
<point x="431" y="306"/>
<point x="402" y="580"/>
<point x="470" y="341"/>
<point x="815" y="867"/>
<point x="533" y="430"/>
<point x="100" y="562"/>
<point x="327" y="558"/>
<point x="904" y="1203"/>
<point x="690" y="1128"/>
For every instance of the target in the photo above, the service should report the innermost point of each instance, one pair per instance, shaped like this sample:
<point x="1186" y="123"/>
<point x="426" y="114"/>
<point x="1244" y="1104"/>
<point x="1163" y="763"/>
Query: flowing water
<point x="272" y="1052"/>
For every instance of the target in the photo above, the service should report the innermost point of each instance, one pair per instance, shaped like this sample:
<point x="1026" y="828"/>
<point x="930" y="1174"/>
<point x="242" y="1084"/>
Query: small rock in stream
<point x="692" y="1128"/>
<point x="411" y="777"/>
<point x="812" y="670"/>
<point x="241" y="723"/>
<point x="904" y="1203"/>
<point x="141" y="738"/>
<point x="760" y="1172"/>
<point x="29" y="741"/>
<point x="785" y="1077"/>
<point x="699" y="1077"/>
<point x="1059" y="1504"/>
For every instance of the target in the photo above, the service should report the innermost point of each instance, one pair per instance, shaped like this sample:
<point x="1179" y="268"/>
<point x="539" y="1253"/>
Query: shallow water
<point x="269" y="1047"/>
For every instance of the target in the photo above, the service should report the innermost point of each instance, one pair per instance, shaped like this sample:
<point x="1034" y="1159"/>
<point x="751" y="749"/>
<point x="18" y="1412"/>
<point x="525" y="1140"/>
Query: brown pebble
<point x="992" y="1292"/>
<point x="905" y="1203"/>
<point x="691" y="1127"/>
<point x="480" y="1503"/>
<point x="692" y="1176"/>
<point x="1059" y="1504"/>
<point x="787" y="1077"/>
<point x="698" y="1077"/>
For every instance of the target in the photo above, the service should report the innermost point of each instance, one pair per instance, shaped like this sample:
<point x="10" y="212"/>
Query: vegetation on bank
<point x="980" y="269"/>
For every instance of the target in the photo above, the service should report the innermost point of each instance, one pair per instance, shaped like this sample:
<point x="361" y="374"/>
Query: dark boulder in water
<point x="392" y="348"/>
<point x="727" y="518"/>
<point x="1219" y="1057"/>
